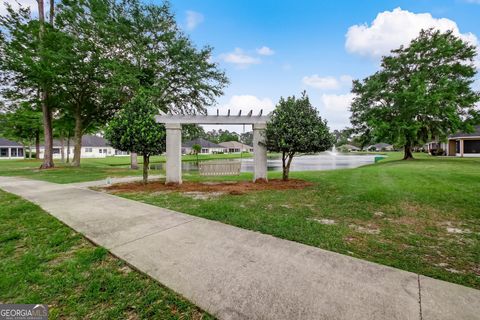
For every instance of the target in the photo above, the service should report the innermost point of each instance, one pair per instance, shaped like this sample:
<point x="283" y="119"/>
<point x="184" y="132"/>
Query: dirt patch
<point x="197" y="195"/>
<point x="368" y="229"/>
<point x="233" y="188"/>
<point x="324" y="221"/>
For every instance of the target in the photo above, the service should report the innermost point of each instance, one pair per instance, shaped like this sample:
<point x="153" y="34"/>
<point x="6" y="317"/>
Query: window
<point x="13" y="152"/>
<point x="56" y="150"/>
<point x="20" y="152"/>
<point x="4" y="152"/>
<point x="100" y="150"/>
<point x="88" y="149"/>
<point x="471" y="146"/>
<point x="204" y="151"/>
<point x="105" y="151"/>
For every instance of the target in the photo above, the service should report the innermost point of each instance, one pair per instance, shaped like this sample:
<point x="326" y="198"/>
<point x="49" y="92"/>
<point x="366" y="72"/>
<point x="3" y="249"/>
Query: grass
<point x="43" y="261"/>
<point x="422" y="215"/>
<point x="91" y="169"/>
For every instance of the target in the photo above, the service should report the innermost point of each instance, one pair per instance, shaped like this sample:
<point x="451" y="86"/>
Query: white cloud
<point x="32" y="4"/>
<point x="194" y="19"/>
<point x="245" y="103"/>
<point x="326" y="83"/>
<point x="336" y="109"/>
<point x="391" y="29"/>
<point x="239" y="58"/>
<point x="265" y="51"/>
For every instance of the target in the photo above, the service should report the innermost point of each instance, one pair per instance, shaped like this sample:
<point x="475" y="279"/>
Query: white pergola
<point x="173" y="124"/>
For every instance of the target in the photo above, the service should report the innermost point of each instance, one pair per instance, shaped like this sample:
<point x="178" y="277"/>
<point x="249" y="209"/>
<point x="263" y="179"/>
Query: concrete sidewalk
<point x="238" y="274"/>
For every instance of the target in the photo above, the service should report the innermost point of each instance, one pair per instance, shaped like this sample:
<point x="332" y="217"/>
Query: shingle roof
<point x="380" y="145"/>
<point x="350" y="146"/>
<point x="87" y="141"/>
<point x="9" y="143"/>
<point x="234" y="144"/>
<point x="475" y="133"/>
<point x="202" y="142"/>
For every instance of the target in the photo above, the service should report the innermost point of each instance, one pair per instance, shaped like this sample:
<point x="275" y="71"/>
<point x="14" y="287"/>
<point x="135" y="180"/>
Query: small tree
<point x="296" y="126"/>
<point x="134" y="129"/>
<point x="196" y="149"/>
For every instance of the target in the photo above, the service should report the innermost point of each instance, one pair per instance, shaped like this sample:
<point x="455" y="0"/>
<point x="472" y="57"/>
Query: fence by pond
<point x="224" y="168"/>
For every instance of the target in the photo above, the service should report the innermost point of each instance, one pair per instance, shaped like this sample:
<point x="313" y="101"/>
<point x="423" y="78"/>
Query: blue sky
<point x="278" y="48"/>
<point x="274" y="48"/>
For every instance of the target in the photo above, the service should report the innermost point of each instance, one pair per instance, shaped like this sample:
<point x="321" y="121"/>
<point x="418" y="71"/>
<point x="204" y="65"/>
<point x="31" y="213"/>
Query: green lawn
<point x="421" y="215"/>
<point x="91" y="169"/>
<point x="43" y="261"/>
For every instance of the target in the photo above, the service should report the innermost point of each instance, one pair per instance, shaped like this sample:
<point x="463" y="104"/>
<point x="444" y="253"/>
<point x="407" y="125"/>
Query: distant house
<point x="92" y="147"/>
<point x="348" y="148"/>
<point x="207" y="147"/>
<point x="458" y="145"/>
<point x="235" y="147"/>
<point x="380" y="147"/>
<point x="11" y="149"/>
<point x="464" y="144"/>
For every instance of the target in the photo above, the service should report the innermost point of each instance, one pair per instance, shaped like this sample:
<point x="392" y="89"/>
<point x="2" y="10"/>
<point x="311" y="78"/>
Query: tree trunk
<point x="286" y="162"/>
<point x="77" y="138"/>
<point x="146" y="163"/>
<point x="133" y="161"/>
<point x="52" y="11"/>
<point x="407" y="152"/>
<point x="37" y="145"/>
<point x="68" y="148"/>
<point x="47" y="128"/>
<point x="62" y="148"/>
<point x="46" y="111"/>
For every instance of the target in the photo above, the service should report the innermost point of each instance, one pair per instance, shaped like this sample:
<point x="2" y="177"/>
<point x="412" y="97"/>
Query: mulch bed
<point x="234" y="187"/>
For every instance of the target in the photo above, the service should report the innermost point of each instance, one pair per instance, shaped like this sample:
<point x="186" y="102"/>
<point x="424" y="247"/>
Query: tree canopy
<point x="134" y="129"/>
<point x="93" y="56"/>
<point x="422" y="91"/>
<point x="296" y="126"/>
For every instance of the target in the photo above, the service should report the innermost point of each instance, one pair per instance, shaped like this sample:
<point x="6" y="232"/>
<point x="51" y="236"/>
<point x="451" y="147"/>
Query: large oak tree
<point x="422" y="91"/>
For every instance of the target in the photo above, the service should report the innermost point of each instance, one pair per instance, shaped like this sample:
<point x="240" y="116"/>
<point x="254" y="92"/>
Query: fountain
<point x="333" y="152"/>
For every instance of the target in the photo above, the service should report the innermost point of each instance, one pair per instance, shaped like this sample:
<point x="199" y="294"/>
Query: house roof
<point x="9" y="143"/>
<point x="349" y="146"/>
<point x="202" y="142"/>
<point x="235" y="145"/>
<point x="87" y="141"/>
<point x="380" y="145"/>
<point x="475" y="133"/>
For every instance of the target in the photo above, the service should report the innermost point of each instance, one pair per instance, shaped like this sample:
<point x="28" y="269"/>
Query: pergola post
<point x="174" y="153"/>
<point x="462" y="147"/>
<point x="259" y="153"/>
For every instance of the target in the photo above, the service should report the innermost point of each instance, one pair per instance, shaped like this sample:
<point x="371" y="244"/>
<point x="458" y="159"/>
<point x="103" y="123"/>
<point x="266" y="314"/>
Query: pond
<point x="322" y="161"/>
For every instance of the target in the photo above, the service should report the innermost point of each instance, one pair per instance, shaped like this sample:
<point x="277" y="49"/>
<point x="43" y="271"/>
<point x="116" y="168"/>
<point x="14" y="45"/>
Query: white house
<point x="207" y="147"/>
<point x="11" y="149"/>
<point x="458" y="145"/>
<point x="92" y="147"/>
<point x="464" y="144"/>
<point x="235" y="147"/>
<point x="348" y="148"/>
<point x="380" y="147"/>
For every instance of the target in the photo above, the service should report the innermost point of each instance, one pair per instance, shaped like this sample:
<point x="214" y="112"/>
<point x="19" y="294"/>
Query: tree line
<point x="70" y="70"/>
